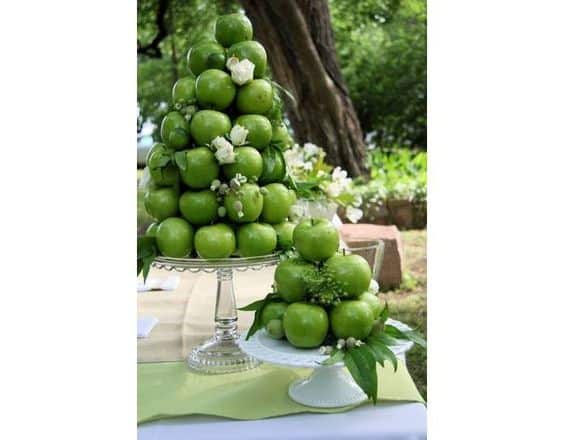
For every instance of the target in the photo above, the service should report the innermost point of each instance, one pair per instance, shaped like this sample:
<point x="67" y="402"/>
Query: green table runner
<point x="168" y="389"/>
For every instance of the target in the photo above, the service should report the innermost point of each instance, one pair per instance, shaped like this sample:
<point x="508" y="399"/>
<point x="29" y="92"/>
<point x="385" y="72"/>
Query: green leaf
<point x="147" y="261"/>
<point x="336" y="356"/>
<point x="258" y="307"/>
<point x="252" y="306"/>
<point x="386" y="339"/>
<point x="146" y="254"/>
<point x="180" y="159"/>
<point x="382" y="351"/>
<point x="285" y="91"/>
<point x="361" y="364"/>
<point x="410" y="335"/>
<point x="385" y="314"/>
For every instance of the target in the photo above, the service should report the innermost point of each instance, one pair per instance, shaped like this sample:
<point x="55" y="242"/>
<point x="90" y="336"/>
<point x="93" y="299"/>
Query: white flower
<point x="353" y="214"/>
<point x="241" y="72"/>
<point x="310" y="149"/>
<point x="238" y="135"/>
<point x="224" y="150"/>
<point x="339" y="175"/>
<point x="307" y="166"/>
<point x="231" y="62"/>
<point x="240" y="178"/>
<point x="297" y="212"/>
<point x="357" y="201"/>
<point x="334" y="189"/>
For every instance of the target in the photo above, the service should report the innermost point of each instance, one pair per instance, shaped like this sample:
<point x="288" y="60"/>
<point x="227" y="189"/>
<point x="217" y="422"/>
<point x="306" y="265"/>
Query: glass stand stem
<point x="221" y="354"/>
<point x="225" y="307"/>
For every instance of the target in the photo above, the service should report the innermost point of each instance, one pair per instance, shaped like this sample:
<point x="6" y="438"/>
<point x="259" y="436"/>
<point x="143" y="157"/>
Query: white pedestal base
<point x="327" y="387"/>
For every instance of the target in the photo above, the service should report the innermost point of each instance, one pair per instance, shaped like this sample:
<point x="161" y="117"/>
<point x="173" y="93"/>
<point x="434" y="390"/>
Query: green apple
<point x="305" y="325"/>
<point x="351" y="272"/>
<point x="260" y="130"/>
<point x="184" y="92"/>
<point x="206" y="125"/>
<point x="273" y="310"/>
<point x="214" y="89"/>
<point x="254" y="239"/>
<point x="164" y="175"/>
<point x="233" y="28"/>
<point x="244" y="205"/>
<point x="175" y="237"/>
<point x="255" y="97"/>
<point x="206" y="55"/>
<point x="351" y="319"/>
<point x="248" y="162"/>
<point x="277" y="203"/>
<point x="274" y="166"/>
<point x="161" y="203"/>
<point x="201" y="168"/>
<point x="151" y="230"/>
<point x="285" y="232"/>
<point x="199" y="207"/>
<point x="215" y="241"/>
<point x="253" y="51"/>
<point x="175" y="131"/>
<point x="374" y="302"/>
<point x="281" y="137"/>
<point x="275" y="328"/>
<point x="291" y="279"/>
<point x="316" y="239"/>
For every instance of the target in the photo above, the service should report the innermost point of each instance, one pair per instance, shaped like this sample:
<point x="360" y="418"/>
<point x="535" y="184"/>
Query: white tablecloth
<point x="393" y="421"/>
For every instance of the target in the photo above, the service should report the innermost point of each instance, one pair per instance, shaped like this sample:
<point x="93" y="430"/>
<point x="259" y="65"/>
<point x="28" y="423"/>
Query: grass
<point x="409" y="303"/>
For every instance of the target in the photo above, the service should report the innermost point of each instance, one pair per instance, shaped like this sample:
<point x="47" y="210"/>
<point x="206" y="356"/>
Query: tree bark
<point x="298" y="38"/>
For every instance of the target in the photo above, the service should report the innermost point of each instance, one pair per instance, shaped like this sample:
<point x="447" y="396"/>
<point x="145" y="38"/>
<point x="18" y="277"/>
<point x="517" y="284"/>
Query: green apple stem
<point x="225" y="307"/>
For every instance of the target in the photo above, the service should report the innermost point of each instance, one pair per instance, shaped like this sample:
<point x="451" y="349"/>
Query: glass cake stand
<point x="221" y="353"/>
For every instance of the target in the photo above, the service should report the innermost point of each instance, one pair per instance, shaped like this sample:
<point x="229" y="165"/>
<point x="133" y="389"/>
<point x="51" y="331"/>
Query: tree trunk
<point x="298" y="38"/>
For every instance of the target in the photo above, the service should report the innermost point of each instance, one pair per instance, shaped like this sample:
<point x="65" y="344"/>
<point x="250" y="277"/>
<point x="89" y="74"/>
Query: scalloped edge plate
<point x="280" y="352"/>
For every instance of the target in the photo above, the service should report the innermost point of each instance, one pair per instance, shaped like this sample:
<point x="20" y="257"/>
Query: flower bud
<point x="221" y="211"/>
<point x="350" y="342"/>
<point x="215" y="184"/>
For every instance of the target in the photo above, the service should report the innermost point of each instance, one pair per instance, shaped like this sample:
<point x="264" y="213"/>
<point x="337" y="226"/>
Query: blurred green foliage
<point x="398" y="173"/>
<point x="381" y="45"/>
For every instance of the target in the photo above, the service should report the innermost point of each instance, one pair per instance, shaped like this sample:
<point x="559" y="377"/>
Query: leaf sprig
<point x="146" y="253"/>
<point x="361" y="361"/>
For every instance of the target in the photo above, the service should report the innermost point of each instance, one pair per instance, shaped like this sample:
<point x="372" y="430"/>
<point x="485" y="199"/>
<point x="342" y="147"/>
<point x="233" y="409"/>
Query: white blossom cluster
<point x="241" y="71"/>
<point x="303" y="159"/>
<point x="307" y="162"/>
<point x="224" y="150"/>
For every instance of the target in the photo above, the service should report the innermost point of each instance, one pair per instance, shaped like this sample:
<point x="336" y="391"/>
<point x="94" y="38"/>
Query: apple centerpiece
<point x="219" y="186"/>
<point x="326" y="298"/>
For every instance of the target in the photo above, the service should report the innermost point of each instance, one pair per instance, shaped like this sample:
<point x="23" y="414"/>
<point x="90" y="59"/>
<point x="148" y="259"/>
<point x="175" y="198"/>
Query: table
<point x="186" y="317"/>
<point x="394" y="421"/>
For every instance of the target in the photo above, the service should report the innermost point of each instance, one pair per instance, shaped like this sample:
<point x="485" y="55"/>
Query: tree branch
<point x="152" y="49"/>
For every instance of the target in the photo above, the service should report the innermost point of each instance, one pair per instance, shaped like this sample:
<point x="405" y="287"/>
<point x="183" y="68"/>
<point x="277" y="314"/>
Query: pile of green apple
<point x="204" y="207"/>
<point x="320" y="295"/>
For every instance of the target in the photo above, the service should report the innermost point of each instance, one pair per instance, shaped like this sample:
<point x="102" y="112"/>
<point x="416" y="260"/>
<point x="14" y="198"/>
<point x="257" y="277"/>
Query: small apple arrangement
<point x="217" y="184"/>
<point x="325" y="298"/>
